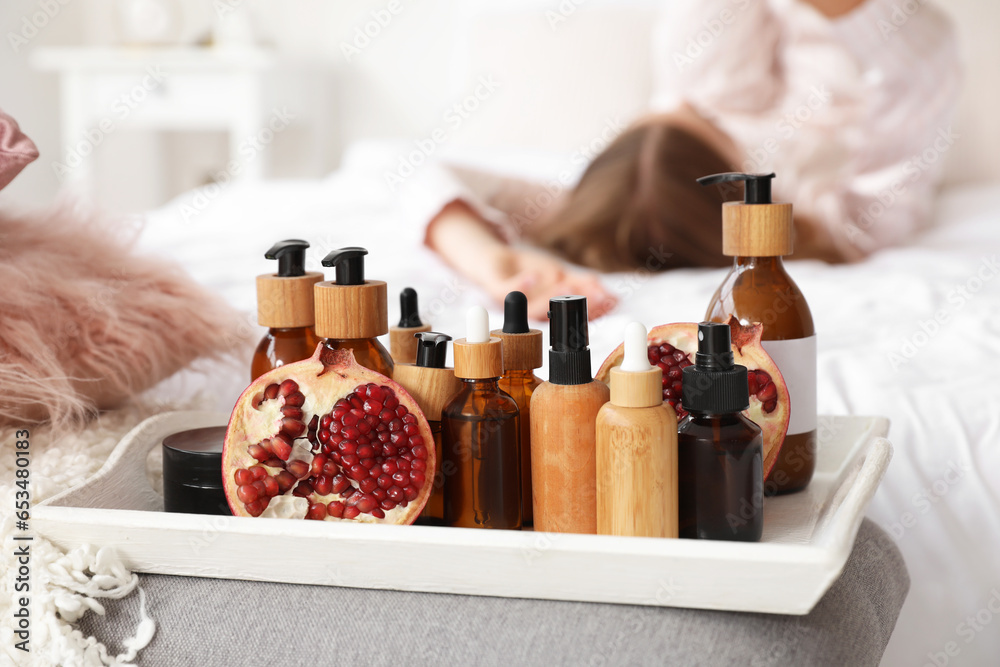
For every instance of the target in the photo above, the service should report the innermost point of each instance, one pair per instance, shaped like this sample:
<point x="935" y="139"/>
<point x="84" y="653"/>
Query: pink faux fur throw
<point x="85" y="323"/>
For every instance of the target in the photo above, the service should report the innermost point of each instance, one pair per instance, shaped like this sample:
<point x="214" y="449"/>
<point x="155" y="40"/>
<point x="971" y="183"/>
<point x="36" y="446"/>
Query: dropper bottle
<point x="285" y="306"/>
<point x="352" y="312"/>
<point x="432" y="385"/>
<point x="481" y="460"/>
<point x="563" y="426"/>
<point x="402" y="342"/>
<point x="720" y="452"/>
<point x="637" y="449"/>
<point x="522" y="354"/>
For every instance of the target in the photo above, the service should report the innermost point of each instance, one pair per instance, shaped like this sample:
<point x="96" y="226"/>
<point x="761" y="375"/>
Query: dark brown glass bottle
<point x="282" y="346"/>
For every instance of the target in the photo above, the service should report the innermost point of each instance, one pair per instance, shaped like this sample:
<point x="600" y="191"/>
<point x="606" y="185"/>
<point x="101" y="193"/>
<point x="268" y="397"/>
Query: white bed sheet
<point x="941" y="496"/>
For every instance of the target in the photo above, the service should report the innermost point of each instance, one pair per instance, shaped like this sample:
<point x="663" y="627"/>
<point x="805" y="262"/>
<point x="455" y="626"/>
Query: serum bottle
<point x="402" y="341"/>
<point x="432" y="385"/>
<point x="720" y="452"/>
<point x="563" y="426"/>
<point x="352" y="312"/>
<point x="757" y="233"/>
<point x="481" y="429"/>
<point x="522" y="354"/>
<point x="637" y="449"/>
<point x="285" y="306"/>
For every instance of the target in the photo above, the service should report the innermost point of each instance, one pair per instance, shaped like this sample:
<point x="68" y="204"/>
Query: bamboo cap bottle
<point x="636" y="383"/>
<point x="430" y="383"/>
<point x="522" y="346"/>
<point x="402" y="339"/>
<point x="285" y="298"/>
<point x="755" y="227"/>
<point x="478" y="356"/>
<point x="350" y="307"/>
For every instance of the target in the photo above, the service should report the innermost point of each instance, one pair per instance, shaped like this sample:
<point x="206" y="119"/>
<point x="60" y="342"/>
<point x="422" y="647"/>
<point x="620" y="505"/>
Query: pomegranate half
<point x="672" y="347"/>
<point x="326" y="438"/>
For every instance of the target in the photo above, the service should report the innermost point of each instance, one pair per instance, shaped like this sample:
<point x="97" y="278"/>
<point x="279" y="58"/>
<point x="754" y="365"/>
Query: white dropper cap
<point x="636" y="383"/>
<point x="477" y="325"/>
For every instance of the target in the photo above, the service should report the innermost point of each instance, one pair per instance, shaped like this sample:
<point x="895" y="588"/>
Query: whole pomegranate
<point x="326" y="438"/>
<point x="672" y="347"/>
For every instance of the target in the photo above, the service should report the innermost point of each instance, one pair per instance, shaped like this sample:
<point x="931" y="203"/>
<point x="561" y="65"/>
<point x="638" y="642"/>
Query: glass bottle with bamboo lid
<point x="352" y="312"/>
<point x="402" y="339"/>
<point x="285" y="306"/>
<point x="522" y="354"/>
<point x="432" y="385"/>
<point x="757" y="233"/>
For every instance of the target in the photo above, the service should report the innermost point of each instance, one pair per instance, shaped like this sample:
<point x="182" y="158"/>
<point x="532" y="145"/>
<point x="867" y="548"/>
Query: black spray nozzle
<point x="569" y="357"/>
<point x="432" y="349"/>
<point x="515" y="313"/>
<point x="409" y="315"/>
<point x="291" y="256"/>
<point x="757" y="187"/>
<point x="715" y="350"/>
<point x="350" y="265"/>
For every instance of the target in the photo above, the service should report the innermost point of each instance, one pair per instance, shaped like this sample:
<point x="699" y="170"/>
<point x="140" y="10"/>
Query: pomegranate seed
<point x="349" y="460"/>
<point x="399" y="438"/>
<point x="367" y="485"/>
<point x="330" y="468"/>
<point x="364" y="427"/>
<point x="403" y="465"/>
<point x="258" y="452"/>
<point x="348" y="447"/>
<point x="352" y="499"/>
<point x="396" y="494"/>
<point x="384" y="481"/>
<point x="317" y="512"/>
<point x="292" y="411"/>
<point x="323" y="435"/>
<point x="378" y="392"/>
<point x="296" y="399"/>
<point x="349" y="419"/>
<point x="679" y="355"/>
<point x="384" y="436"/>
<point x="274" y="463"/>
<point x="768" y="393"/>
<point x="417" y="478"/>
<point x="367" y="464"/>
<point x="258" y="472"/>
<point x="770" y="406"/>
<point x="298" y="468"/>
<point x="375" y="470"/>
<point x="270" y="392"/>
<point x="247" y="493"/>
<point x="261" y="489"/>
<point x="389" y="467"/>
<point x="411" y="493"/>
<point x="396" y="425"/>
<point x="390" y="450"/>
<point x="242" y="477"/>
<point x="367" y="503"/>
<point x="270" y="486"/>
<point x="339" y="412"/>
<point x="288" y="387"/>
<point x="316" y="468"/>
<point x="675" y="373"/>
<point x="380" y="494"/>
<point x="408" y="418"/>
<point x="357" y="472"/>
<point x="387" y="504"/>
<point x="386" y="416"/>
<point x="323" y="485"/>
<point x="677" y="387"/>
<point x="282" y="446"/>
<point x="401" y="479"/>
<point x="419" y="451"/>
<point x="669" y="394"/>
<point x="372" y="406"/>
<point x="418" y="464"/>
<point x="303" y="489"/>
<point x="356" y="402"/>
<point x="351" y="432"/>
<point x="340" y="483"/>
<point x="335" y="456"/>
<point x="349" y="491"/>
<point x="351" y="512"/>
<point x="285" y="480"/>
<point x="255" y="508"/>
<point x="401" y="411"/>
<point x="411" y="430"/>
<point x="378" y="513"/>
<point x="335" y="509"/>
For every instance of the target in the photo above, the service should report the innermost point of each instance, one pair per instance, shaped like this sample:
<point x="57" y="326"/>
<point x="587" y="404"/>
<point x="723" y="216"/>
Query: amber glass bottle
<point x="285" y="306"/>
<point x="352" y="312"/>
<point x="481" y="437"/>
<point x="522" y="354"/>
<point x="720" y="453"/>
<point x="757" y="233"/>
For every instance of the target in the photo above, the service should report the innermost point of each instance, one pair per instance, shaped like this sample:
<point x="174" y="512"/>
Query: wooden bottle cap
<point x="286" y="303"/>
<point x="631" y="389"/>
<point x="756" y="230"/>
<point x="432" y="388"/>
<point x="521" y="351"/>
<point x="477" y="361"/>
<point x="402" y="344"/>
<point x="351" y="311"/>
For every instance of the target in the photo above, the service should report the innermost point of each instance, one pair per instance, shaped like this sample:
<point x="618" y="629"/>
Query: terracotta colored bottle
<point x="285" y="306"/>
<point x="481" y="437"/>
<point x="522" y="354"/>
<point x="432" y="385"/>
<point x="352" y="312"/>
<point x="637" y="449"/>
<point x="757" y="233"/>
<point x="563" y="426"/>
<point x="402" y="342"/>
<point x="720" y="453"/>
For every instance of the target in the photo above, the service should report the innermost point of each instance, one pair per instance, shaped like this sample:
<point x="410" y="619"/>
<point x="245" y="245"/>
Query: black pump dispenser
<point x="714" y="384"/>
<point x="515" y="313"/>
<point x="291" y="256"/>
<point x="757" y="187"/>
<point x="569" y="356"/>
<point x="350" y="265"/>
<point x="409" y="313"/>
<point x="432" y="349"/>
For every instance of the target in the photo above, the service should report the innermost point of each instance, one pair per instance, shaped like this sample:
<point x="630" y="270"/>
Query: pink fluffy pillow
<point x="86" y="323"/>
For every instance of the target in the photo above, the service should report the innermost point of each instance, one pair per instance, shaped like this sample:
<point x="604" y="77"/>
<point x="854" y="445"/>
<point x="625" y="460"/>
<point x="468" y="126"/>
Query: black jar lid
<point x="194" y="458"/>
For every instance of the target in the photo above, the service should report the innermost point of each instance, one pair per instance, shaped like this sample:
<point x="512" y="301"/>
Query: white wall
<point x="556" y="82"/>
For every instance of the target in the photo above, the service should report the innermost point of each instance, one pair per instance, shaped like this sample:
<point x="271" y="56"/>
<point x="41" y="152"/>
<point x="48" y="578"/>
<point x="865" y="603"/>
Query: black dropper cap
<point x="350" y="265"/>
<point x="409" y="315"/>
<point x="569" y="356"/>
<point x="432" y="349"/>
<point x="714" y="384"/>
<point x="757" y="188"/>
<point x="291" y="256"/>
<point x="515" y="313"/>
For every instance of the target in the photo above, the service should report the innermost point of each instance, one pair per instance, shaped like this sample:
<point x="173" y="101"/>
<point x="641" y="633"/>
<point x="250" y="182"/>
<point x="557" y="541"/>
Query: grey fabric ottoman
<point x="221" y="622"/>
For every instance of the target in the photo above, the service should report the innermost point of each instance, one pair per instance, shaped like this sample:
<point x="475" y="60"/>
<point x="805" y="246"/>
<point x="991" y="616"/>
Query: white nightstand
<point x="252" y="94"/>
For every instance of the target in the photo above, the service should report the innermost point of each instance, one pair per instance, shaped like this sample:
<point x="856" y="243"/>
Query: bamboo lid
<point x="756" y="230"/>
<point x="521" y="351"/>
<point x="286" y="302"/>
<point x="636" y="383"/>
<point x="402" y="344"/>
<point x="432" y="388"/>
<point x="351" y="311"/>
<point x="477" y="361"/>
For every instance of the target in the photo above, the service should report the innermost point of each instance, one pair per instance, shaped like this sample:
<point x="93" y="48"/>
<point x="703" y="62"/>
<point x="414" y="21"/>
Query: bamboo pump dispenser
<point x="402" y="341"/>
<point x="352" y="312"/>
<point x="285" y="304"/>
<point x="637" y="449"/>
<point x="756" y="226"/>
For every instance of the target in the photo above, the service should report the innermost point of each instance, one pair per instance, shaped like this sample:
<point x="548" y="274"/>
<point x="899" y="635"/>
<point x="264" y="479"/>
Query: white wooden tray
<point x="807" y="539"/>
